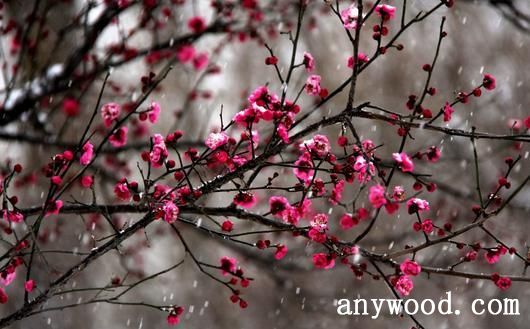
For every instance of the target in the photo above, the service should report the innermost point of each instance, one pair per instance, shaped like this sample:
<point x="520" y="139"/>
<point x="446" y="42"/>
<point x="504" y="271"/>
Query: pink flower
<point x="304" y="168"/>
<point x="336" y="193"/>
<point x="347" y="221"/>
<point x="323" y="261"/>
<point x="8" y="276"/>
<point x="13" y="216"/>
<point x="278" y="205"/>
<point x="87" y="181"/>
<point x="281" y="251"/>
<point x="216" y="140"/>
<point x="317" y="235"/>
<point x="318" y="145"/>
<point x="398" y="194"/>
<point x="54" y="208"/>
<point x="109" y="113"/>
<point x="448" y="111"/>
<point x="171" y="212"/>
<point x="385" y="11"/>
<point x="427" y="226"/>
<point x="153" y="112"/>
<point x="291" y="215"/>
<point x="433" y="154"/>
<point x="404" y="285"/>
<point x="227" y="226"/>
<point x="121" y="190"/>
<point x="283" y="133"/>
<point x="312" y="85"/>
<point x="489" y="81"/>
<point x="88" y="153"/>
<point x="228" y="265"/>
<point x="185" y="53"/>
<point x="362" y="57"/>
<point x="309" y="62"/>
<point x="70" y="107"/>
<point x="492" y="257"/>
<point x="403" y="161"/>
<point x="245" y="199"/>
<point x="119" y="138"/>
<point x="349" y="17"/>
<point x="416" y="205"/>
<point x="320" y="222"/>
<point x="173" y="319"/>
<point x="503" y="283"/>
<point x="29" y="285"/>
<point x="159" y="152"/>
<point x="376" y="196"/>
<point x="196" y="24"/>
<point x="410" y="267"/>
<point x="200" y="61"/>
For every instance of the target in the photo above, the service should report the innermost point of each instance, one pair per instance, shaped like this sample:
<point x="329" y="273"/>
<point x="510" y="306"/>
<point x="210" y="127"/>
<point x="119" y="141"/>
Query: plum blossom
<point x="320" y="222"/>
<point x="404" y="285"/>
<point x="318" y="145"/>
<point x="386" y="12"/>
<point x="171" y="212"/>
<point x="403" y="161"/>
<point x="504" y="283"/>
<point x="448" y="111"/>
<point x="361" y="57"/>
<point x="159" y="152"/>
<point x="281" y="251"/>
<point x="119" y="138"/>
<point x="8" y="276"/>
<point x="309" y="62"/>
<point x="278" y="205"/>
<point x="398" y="194"/>
<point x="365" y="169"/>
<point x="347" y="221"/>
<point x="29" y="285"/>
<point x="13" y="216"/>
<point x="173" y="319"/>
<point x="427" y="226"/>
<point x="153" y="112"/>
<point x="349" y="17"/>
<point x="489" y="82"/>
<point x="54" y="208"/>
<point x="196" y="24"/>
<point x="323" y="261"/>
<point x="109" y="113"/>
<point x="121" y="190"/>
<point x="228" y="265"/>
<point x="245" y="199"/>
<point x="200" y="61"/>
<point x="417" y="205"/>
<point x="312" y="85"/>
<point x="410" y="267"/>
<point x="185" y="53"/>
<point x="336" y="193"/>
<point x="304" y="168"/>
<point x="434" y="154"/>
<point x="283" y="133"/>
<point x="216" y="140"/>
<point x="88" y="153"/>
<point x="319" y="225"/>
<point x="376" y="196"/>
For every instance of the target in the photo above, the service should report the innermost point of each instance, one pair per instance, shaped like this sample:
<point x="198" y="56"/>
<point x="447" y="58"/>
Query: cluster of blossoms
<point x="403" y="283"/>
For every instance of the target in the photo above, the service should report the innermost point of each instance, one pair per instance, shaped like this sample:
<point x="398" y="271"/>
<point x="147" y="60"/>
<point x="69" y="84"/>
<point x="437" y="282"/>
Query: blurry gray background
<point x="290" y="293"/>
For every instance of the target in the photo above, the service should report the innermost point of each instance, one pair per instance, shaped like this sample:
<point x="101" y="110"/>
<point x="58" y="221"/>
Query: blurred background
<point x="483" y="36"/>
